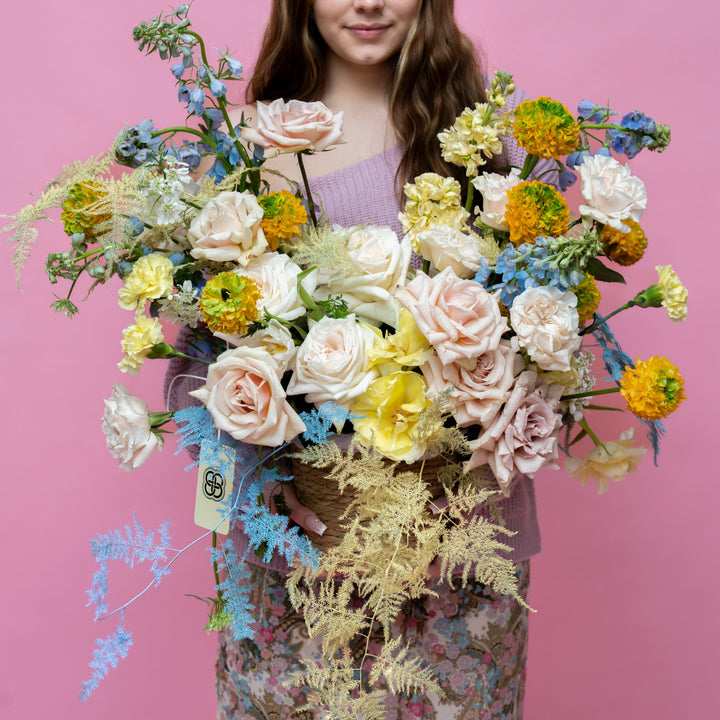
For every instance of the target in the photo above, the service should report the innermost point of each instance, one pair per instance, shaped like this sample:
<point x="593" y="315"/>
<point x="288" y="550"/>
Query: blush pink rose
<point x="294" y="126"/>
<point x="459" y="318"/>
<point x="479" y="385"/>
<point x="522" y="437"/>
<point x="245" y="398"/>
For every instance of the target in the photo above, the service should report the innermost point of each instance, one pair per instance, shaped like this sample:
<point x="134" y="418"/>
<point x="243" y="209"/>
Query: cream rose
<point x="126" y="425"/>
<point x="228" y="229"/>
<point x="522" y="437"/>
<point x="332" y="362"/>
<point x="545" y="320"/>
<point x="479" y="385"/>
<point x="612" y="194"/>
<point x="276" y="275"/>
<point x="275" y="339"/>
<point x="245" y="398"/>
<point x="494" y="188"/>
<point x="383" y="263"/>
<point x="447" y="247"/>
<point x="459" y="317"/>
<point x="612" y="460"/>
<point x="294" y="126"/>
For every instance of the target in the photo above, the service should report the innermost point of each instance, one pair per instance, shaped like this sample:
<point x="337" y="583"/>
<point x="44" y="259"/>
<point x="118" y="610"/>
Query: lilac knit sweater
<point x="362" y="193"/>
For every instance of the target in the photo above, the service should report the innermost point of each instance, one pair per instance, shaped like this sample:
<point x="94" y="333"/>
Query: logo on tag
<point x="214" y="487"/>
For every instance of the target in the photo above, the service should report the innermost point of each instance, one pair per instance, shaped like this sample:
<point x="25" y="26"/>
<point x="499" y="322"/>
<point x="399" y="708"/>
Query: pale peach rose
<point x="245" y="398"/>
<point x="479" y="385"/>
<point x="276" y="276"/>
<point x="126" y="426"/>
<point x="611" y="192"/>
<point x="294" y="126"/>
<point x="459" y="317"/>
<point x="445" y="246"/>
<point x="332" y="362"/>
<point x="228" y="229"/>
<point x="545" y="320"/>
<point x="383" y="263"/>
<point x="494" y="188"/>
<point x="522" y="437"/>
<point x="275" y="339"/>
<point x="612" y="460"/>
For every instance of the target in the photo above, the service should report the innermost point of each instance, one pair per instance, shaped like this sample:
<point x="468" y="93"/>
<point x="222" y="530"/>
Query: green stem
<point x="469" y="201"/>
<point x="598" y="443"/>
<point x="603" y="320"/>
<point x="426" y="266"/>
<point x="590" y="393"/>
<point x="177" y="129"/>
<point x="215" y="566"/>
<point x="528" y="166"/>
<point x="308" y="194"/>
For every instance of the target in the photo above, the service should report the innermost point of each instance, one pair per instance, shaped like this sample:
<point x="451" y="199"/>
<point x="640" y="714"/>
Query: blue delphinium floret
<point x="588" y="111"/>
<point x="217" y="87"/>
<point x="234" y="65"/>
<point x="137" y="144"/>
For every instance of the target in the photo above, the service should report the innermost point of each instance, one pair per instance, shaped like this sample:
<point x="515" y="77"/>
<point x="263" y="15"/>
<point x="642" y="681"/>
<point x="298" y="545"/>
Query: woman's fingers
<point x="299" y="514"/>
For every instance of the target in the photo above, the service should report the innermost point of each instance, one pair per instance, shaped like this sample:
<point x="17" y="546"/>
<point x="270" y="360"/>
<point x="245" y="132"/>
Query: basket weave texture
<point x="322" y="495"/>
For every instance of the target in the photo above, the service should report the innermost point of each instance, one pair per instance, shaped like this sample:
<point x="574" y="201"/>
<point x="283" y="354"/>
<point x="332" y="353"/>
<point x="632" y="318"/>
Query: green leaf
<point x="602" y="272"/>
<point x="578" y="437"/>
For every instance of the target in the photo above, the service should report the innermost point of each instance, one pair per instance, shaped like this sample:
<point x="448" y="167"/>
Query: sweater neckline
<point x="372" y="158"/>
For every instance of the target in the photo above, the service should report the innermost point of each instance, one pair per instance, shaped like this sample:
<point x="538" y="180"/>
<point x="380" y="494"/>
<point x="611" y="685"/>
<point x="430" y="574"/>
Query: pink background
<point x="626" y="586"/>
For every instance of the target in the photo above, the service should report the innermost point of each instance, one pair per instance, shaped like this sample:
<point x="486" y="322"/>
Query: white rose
<point x="383" y="263"/>
<point x="274" y="339"/>
<point x="494" y="189"/>
<point x="479" y="386"/>
<point x="332" y="362"/>
<point x="245" y="398"/>
<point x="276" y="276"/>
<point x="126" y="425"/>
<point x="612" y="194"/>
<point x="294" y="126"/>
<point x="545" y="320"/>
<point x="445" y="247"/>
<point x="228" y="229"/>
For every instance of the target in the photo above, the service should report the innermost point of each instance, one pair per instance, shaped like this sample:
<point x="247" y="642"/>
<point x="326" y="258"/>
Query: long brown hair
<point x="437" y="75"/>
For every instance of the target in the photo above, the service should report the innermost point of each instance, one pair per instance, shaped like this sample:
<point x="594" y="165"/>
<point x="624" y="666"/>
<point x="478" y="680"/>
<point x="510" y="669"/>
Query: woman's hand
<point x="299" y="514"/>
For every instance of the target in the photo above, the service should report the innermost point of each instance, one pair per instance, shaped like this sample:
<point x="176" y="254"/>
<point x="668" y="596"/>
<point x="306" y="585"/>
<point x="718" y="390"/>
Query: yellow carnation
<point x="609" y="461"/>
<point x="624" y="248"/>
<point x="535" y="209"/>
<point x="652" y="389"/>
<point x="137" y="342"/>
<point x="674" y="293"/>
<point x="149" y="279"/>
<point x="389" y="410"/>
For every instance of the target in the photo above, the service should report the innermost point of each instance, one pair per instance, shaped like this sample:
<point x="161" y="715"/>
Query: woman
<point x="400" y="71"/>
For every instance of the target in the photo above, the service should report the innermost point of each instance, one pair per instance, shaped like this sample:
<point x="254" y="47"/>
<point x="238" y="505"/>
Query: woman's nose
<point x="369" y="5"/>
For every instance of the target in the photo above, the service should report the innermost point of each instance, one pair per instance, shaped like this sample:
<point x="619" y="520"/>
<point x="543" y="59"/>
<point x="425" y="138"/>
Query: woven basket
<point x="322" y="496"/>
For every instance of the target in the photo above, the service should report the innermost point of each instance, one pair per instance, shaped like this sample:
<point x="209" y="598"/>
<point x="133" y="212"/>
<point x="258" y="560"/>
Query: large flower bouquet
<point x="420" y="374"/>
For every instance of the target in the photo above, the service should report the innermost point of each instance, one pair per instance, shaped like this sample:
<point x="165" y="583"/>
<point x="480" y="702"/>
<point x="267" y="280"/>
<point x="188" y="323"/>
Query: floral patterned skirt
<point x="475" y="639"/>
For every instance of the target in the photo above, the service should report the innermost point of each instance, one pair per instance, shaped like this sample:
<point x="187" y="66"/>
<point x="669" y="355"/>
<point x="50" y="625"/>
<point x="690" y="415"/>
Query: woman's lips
<point x="367" y="31"/>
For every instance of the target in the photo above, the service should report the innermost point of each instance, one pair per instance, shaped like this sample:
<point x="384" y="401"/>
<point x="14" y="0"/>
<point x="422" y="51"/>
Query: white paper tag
<point x="215" y="481"/>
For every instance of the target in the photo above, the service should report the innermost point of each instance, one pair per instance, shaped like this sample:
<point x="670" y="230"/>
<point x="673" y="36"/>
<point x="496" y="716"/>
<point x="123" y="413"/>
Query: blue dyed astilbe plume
<point x="616" y="360"/>
<point x="106" y="655"/>
<point x="320" y="421"/>
<point x="235" y="589"/>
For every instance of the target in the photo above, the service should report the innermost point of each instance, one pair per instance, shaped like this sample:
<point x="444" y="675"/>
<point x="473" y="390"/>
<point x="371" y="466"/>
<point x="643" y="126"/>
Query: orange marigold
<point x="535" y="209"/>
<point x="229" y="302"/>
<point x="652" y="389"/>
<point x="545" y="127"/>
<point x="624" y="248"/>
<point x="588" y="298"/>
<point x="283" y="216"/>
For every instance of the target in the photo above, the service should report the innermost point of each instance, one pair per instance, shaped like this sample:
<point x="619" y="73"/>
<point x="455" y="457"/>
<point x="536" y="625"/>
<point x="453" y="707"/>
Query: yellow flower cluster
<point x="137" y="342"/>
<point x="283" y="214"/>
<point x="624" y="248"/>
<point x="652" y="389"/>
<point x="388" y="412"/>
<point x="588" y="298"/>
<point x="80" y="214"/>
<point x="149" y="279"/>
<point x="545" y="127"/>
<point x="432" y="200"/>
<point x="535" y="209"/>
<point x="674" y="293"/>
<point x="229" y="302"/>
<point x="474" y="137"/>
